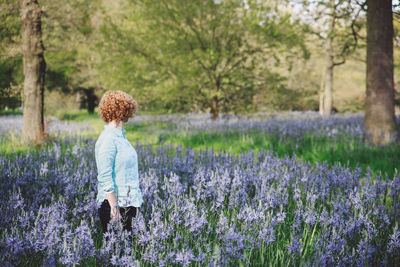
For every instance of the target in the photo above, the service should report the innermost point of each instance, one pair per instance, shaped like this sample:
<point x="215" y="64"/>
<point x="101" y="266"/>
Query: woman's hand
<point x="115" y="214"/>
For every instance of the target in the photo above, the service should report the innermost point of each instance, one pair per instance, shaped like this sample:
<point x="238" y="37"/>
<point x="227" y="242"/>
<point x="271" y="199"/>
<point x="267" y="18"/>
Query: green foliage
<point x="75" y="115"/>
<point x="61" y="69"/>
<point x="11" y="68"/>
<point x="176" y="56"/>
<point x="69" y="30"/>
<point x="10" y="112"/>
<point x="9" y="21"/>
<point x="197" y="55"/>
<point x="10" y="82"/>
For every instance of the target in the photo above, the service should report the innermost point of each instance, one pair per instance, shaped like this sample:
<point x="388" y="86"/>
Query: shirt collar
<point x="114" y="130"/>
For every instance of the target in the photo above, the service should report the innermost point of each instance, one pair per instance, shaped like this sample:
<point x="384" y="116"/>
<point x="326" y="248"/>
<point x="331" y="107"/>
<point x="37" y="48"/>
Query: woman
<point x="118" y="194"/>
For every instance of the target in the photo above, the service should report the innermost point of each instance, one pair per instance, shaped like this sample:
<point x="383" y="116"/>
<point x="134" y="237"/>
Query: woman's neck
<point x="116" y="125"/>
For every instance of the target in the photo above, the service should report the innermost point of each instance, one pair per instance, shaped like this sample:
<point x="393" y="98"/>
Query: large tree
<point x="34" y="70"/>
<point x="379" y="122"/>
<point x="204" y="55"/>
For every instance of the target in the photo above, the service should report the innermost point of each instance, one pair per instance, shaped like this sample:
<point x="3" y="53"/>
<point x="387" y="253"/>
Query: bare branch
<point x="362" y="4"/>
<point x="340" y="62"/>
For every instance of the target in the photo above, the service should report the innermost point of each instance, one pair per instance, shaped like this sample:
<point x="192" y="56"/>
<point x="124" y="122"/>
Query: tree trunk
<point x="328" y="99"/>
<point x="214" y="108"/>
<point x="379" y="121"/>
<point x="321" y="103"/>
<point x="321" y="96"/>
<point x="91" y="99"/>
<point x="34" y="71"/>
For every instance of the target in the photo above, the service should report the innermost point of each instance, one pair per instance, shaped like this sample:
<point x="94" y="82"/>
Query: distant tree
<point x="34" y="71"/>
<point x="337" y="24"/>
<point x="379" y="121"/>
<point x="68" y="32"/>
<point x="90" y="98"/>
<point x="72" y="67"/>
<point x="208" y="55"/>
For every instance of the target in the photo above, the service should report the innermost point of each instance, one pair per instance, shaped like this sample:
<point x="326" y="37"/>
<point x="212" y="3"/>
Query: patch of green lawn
<point x="345" y="150"/>
<point x="10" y="112"/>
<point x="75" y="115"/>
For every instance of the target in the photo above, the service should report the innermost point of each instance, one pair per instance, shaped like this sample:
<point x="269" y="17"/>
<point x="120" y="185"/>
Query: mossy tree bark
<point x="379" y="121"/>
<point x="34" y="71"/>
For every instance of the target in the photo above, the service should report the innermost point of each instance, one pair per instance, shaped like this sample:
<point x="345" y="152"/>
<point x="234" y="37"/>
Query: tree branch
<point x="340" y="62"/>
<point x="362" y="4"/>
<point x="309" y="30"/>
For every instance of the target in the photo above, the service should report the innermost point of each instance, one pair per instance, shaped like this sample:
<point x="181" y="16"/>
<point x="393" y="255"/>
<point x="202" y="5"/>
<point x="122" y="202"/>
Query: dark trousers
<point x="127" y="213"/>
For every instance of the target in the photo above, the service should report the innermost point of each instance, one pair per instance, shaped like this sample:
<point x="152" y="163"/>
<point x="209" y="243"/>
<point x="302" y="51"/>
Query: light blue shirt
<point x="117" y="168"/>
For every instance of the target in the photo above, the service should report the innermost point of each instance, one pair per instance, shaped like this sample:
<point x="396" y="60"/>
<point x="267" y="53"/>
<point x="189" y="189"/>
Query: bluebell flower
<point x="295" y="245"/>
<point x="394" y="243"/>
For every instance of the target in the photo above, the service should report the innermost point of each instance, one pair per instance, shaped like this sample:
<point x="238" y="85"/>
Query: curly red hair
<point x="116" y="105"/>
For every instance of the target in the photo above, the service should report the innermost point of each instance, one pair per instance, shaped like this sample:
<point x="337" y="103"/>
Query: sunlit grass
<point x="10" y="112"/>
<point x="75" y="115"/>
<point x="345" y="150"/>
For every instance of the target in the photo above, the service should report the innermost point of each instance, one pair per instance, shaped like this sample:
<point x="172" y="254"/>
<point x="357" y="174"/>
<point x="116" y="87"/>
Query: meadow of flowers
<point x="289" y="124"/>
<point x="200" y="208"/>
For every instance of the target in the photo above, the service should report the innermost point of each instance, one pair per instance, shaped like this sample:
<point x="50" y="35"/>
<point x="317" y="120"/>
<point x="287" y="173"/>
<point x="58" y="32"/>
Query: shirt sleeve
<point x="105" y="165"/>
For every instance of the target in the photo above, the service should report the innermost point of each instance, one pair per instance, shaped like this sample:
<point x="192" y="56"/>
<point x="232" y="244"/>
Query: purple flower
<point x="184" y="257"/>
<point x="394" y="243"/>
<point x="295" y="245"/>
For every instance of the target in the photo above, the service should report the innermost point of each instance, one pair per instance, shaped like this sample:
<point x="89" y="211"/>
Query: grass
<point x="81" y="114"/>
<point x="75" y="115"/>
<point x="10" y="112"/>
<point x="15" y="145"/>
<point x="345" y="150"/>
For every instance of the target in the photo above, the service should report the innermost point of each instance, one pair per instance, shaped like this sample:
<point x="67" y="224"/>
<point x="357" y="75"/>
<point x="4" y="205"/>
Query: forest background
<point x="192" y="56"/>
